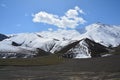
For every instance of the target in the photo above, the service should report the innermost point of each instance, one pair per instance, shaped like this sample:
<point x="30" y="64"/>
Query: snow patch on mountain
<point x="60" y="34"/>
<point x="81" y="50"/>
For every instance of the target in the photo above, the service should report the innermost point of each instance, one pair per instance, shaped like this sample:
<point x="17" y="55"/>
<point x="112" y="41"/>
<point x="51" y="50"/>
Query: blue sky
<point x="16" y="16"/>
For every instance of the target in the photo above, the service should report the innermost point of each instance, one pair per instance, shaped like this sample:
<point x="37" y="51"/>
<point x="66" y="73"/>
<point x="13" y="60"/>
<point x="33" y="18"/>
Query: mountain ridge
<point x="68" y="42"/>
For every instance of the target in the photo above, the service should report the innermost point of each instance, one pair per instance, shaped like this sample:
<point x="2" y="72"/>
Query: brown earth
<point x="107" y="68"/>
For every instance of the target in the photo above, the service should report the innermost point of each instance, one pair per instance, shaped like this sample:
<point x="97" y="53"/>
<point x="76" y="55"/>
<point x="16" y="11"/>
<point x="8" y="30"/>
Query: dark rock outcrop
<point x="2" y="37"/>
<point x="40" y="52"/>
<point x="16" y="44"/>
<point x="95" y="48"/>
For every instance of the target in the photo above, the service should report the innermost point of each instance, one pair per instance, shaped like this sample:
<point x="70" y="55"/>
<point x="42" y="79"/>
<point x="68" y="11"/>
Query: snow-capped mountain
<point x="70" y="43"/>
<point x="85" y="48"/>
<point x="107" y="35"/>
<point x="27" y="44"/>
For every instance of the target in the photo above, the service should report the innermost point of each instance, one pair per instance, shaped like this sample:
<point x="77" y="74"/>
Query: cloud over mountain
<point x="71" y="19"/>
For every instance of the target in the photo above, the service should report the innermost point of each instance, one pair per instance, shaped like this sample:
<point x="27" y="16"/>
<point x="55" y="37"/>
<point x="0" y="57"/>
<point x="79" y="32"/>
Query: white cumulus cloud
<point x="71" y="19"/>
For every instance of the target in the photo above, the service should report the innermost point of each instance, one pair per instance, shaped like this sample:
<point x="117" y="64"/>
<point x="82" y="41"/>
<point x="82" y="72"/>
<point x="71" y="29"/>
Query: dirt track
<point x="84" y="69"/>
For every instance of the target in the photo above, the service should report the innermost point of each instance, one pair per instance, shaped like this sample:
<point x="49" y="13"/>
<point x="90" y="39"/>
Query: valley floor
<point x="107" y="68"/>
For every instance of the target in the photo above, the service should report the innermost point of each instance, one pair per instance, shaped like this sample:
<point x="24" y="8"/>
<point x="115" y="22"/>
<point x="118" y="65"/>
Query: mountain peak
<point x="103" y="34"/>
<point x="94" y="26"/>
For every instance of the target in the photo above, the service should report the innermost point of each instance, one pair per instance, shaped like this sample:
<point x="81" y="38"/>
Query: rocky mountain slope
<point x="2" y="37"/>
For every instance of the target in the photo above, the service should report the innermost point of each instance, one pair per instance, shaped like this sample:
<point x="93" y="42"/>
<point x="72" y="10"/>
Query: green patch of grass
<point x="40" y="61"/>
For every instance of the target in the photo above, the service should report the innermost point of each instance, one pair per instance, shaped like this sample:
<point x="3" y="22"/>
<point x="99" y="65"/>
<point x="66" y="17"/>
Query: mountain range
<point x="97" y="39"/>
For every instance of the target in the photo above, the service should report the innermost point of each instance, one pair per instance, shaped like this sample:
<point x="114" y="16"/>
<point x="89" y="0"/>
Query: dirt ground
<point x="80" y="69"/>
